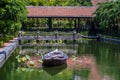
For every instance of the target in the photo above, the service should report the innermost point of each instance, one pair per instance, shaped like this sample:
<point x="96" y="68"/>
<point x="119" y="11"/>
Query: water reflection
<point x="45" y="48"/>
<point x="54" y="70"/>
<point x="85" y="62"/>
<point x="88" y="60"/>
<point x="74" y="62"/>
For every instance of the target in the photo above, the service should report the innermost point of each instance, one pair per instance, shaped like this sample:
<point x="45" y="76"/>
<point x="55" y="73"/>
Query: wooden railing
<point x="48" y="36"/>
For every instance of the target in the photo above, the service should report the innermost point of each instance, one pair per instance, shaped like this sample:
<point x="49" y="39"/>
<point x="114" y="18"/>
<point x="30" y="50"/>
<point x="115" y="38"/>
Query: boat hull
<point x="54" y="58"/>
<point x="53" y="62"/>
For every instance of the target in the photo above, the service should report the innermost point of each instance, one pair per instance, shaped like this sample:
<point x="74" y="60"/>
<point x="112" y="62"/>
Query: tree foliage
<point x="12" y="12"/>
<point x="108" y="13"/>
<point x="60" y="2"/>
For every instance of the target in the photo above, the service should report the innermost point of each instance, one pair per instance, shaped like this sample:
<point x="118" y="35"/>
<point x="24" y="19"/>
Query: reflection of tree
<point x="81" y="74"/>
<point x="88" y="68"/>
<point x="107" y="56"/>
<point x="105" y="52"/>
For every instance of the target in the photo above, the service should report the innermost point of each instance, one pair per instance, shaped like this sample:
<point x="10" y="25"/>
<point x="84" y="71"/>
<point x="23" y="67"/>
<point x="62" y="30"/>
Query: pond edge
<point x="6" y="51"/>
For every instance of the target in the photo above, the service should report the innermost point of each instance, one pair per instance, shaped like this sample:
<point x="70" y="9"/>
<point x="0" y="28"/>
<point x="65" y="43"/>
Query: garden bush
<point x="1" y="43"/>
<point x="6" y="39"/>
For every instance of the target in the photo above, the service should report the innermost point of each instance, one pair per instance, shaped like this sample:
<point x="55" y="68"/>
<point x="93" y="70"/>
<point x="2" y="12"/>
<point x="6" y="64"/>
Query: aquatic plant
<point x="74" y="58"/>
<point x="32" y="64"/>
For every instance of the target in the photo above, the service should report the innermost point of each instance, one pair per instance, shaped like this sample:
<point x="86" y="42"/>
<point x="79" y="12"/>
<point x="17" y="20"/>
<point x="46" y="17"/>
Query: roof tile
<point x="35" y="11"/>
<point x="52" y="11"/>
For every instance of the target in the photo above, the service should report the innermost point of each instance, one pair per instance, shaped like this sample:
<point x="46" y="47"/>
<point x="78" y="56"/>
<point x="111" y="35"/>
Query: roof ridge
<point x="60" y="6"/>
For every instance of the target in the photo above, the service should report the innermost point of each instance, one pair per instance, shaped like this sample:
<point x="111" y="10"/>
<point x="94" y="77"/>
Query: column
<point x="75" y="22"/>
<point x="78" y="29"/>
<point x="50" y="23"/>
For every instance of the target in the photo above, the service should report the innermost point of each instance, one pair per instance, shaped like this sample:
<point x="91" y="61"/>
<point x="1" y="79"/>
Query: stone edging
<point x="7" y="51"/>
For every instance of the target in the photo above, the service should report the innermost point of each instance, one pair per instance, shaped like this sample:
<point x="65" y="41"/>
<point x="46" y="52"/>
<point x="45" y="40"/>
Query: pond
<point x="88" y="60"/>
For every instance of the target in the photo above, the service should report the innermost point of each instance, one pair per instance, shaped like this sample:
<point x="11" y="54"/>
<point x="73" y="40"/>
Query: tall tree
<point x="12" y="13"/>
<point x="59" y="2"/>
<point x="108" y="14"/>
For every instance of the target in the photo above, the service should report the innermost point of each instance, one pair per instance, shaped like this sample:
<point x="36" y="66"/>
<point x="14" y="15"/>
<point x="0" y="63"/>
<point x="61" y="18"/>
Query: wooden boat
<point x="91" y="37"/>
<point x="54" y="58"/>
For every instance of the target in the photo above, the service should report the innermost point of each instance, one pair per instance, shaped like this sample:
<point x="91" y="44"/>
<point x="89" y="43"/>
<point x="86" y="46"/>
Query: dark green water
<point x="106" y="55"/>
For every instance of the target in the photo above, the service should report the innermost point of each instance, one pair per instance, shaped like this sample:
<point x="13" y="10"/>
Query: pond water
<point x="88" y="60"/>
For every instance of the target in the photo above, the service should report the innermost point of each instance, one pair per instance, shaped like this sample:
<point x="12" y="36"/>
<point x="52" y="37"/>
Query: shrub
<point x="7" y="38"/>
<point x="1" y="43"/>
<point x="4" y="39"/>
<point x="10" y="37"/>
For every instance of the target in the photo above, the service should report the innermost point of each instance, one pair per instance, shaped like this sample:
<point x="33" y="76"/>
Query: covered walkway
<point x="69" y="13"/>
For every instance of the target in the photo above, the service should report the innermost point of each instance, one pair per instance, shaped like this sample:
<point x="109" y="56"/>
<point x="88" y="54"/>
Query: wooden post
<point x="74" y="35"/>
<point x="37" y="49"/>
<point x="20" y="49"/>
<point x="65" y="41"/>
<point x="78" y="28"/>
<point x="47" y="41"/>
<point x="50" y="23"/>
<point x="38" y="32"/>
<point x="19" y="37"/>
<point x="32" y="23"/>
<point x="29" y="41"/>
<point x="56" y="35"/>
<point x="75" y="27"/>
<point x="37" y="22"/>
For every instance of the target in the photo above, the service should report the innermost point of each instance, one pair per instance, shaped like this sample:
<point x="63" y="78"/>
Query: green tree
<point x="108" y="15"/>
<point x="12" y="13"/>
<point x="59" y="2"/>
<point x="108" y="12"/>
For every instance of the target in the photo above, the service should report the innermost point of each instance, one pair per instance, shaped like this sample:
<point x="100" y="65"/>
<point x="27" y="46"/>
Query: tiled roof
<point x="37" y="11"/>
<point x="52" y="11"/>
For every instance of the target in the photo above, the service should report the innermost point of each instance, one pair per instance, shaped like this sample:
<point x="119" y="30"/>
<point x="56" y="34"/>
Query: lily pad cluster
<point x="29" y="61"/>
<point x="22" y="60"/>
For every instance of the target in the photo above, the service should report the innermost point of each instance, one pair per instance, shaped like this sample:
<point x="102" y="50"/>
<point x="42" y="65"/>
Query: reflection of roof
<point x="52" y="11"/>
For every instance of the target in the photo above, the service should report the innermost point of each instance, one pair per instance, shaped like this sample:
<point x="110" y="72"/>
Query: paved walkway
<point x="6" y="51"/>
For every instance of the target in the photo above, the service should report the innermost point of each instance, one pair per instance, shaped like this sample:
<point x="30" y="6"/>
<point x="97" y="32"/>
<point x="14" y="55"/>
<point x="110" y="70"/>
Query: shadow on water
<point x="54" y="70"/>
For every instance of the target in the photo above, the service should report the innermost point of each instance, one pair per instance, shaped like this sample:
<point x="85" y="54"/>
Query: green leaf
<point x="23" y="59"/>
<point x="19" y="60"/>
<point x="40" y="61"/>
<point x="18" y="56"/>
<point x="27" y="57"/>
